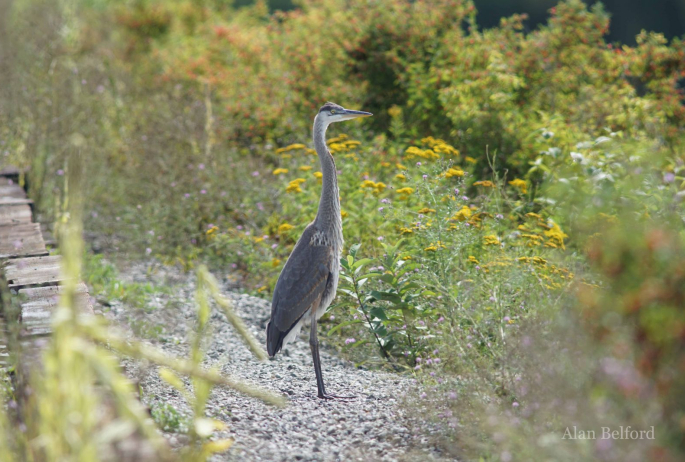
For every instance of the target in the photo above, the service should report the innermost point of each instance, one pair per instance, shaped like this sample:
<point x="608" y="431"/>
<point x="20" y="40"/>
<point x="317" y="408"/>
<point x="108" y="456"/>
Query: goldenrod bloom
<point x="454" y="172"/>
<point x="556" y="236"/>
<point x="520" y="184"/>
<point x="285" y="227"/>
<point x="400" y="177"/>
<point x="377" y="187"/>
<point x="485" y="184"/>
<point x="406" y="190"/>
<point x="279" y="171"/>
<point x="292" y="147"/>
<point x="463" y="214"/>
<point x="491" y="240"/>
<point x="305" y="168"/>
<point x="318" y="175"/>
<point x="426" y="210"/>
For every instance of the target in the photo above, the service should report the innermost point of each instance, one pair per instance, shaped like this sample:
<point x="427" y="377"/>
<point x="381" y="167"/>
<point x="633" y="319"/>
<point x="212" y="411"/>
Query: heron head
<point x="332" y="112"/>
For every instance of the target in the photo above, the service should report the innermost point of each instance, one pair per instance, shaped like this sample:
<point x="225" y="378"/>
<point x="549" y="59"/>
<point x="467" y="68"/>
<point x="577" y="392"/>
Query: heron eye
<point x="332" y="111"/>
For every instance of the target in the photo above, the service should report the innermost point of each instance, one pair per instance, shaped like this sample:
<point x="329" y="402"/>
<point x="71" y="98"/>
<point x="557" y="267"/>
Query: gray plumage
<point x="309" y="279"/>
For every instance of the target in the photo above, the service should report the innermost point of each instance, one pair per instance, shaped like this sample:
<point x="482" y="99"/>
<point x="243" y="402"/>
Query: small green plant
<point x="169" y="419"/>
<point x="393" y="309"/>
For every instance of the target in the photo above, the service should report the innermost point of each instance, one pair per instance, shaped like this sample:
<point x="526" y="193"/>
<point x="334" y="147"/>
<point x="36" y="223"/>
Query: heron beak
<point x="350" y="114"/>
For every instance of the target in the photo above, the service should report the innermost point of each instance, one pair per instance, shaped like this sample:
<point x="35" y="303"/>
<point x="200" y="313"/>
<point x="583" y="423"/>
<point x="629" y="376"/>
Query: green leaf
<point x="378" y="312"/>
<point x="387" y="296"/>
<point x="354" y="248"/>
<point x="359" y="263"/>
<point x="388" y="279"/>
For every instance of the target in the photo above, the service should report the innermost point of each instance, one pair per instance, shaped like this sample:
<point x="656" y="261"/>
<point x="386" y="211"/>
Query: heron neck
<point x="328" y="217"/>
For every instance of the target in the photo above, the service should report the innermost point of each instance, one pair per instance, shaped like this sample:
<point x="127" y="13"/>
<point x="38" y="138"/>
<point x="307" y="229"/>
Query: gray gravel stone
<point x="371" y="427"/>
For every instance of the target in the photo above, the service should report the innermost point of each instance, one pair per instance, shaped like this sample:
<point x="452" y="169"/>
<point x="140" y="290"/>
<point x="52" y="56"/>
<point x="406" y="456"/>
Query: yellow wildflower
<point x="318" y="175"/>
<point x="385" y="164"/>
<point x="556" y="236"/>
<point x="454" y="172"/>
<point x="400" y="166"/>
<point x="343" y="213"/>
<point x="430" y="141"/>
<point x="446" y="149"/>
<point x="278" y="171"/>
<point x="491" y="240"/>
<point x="405" y="191"/>
<point x="305" y="168"/>
<point x="400" y="177"/>
<point x="533" y="215"/>
<point x="462" y="214"/>
<point x="406" y="231"/>
<point x="275" y="262"/>
<point x="472" y="259"/>
<point x="292" y="147"/>
<point x="485" y="184"/>
<point x="284" y="228"/>
<point x="431" y="248"/>
<point x="294" y="185"/>
<point x="426" y="210"/>
<point x="429" y="154"/>
<point x="352" y="143"/>
<point x="212" y="230"/>
<point x="520" y="184"/>
<point x="311" y="151"/>
<point x="470" y="160"/>
<point x="262" y="289"/>
<point x="412" y="151"/>
<point x="533" y="239"/>
<point x="336" y="147"/>
<point x="377" y="187"/>
<point x="395" y="111"/>
<point x="338" y="139"/>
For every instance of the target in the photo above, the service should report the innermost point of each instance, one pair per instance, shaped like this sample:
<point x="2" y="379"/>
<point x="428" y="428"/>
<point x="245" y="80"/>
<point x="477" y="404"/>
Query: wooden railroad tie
<point x="33" y="277"/>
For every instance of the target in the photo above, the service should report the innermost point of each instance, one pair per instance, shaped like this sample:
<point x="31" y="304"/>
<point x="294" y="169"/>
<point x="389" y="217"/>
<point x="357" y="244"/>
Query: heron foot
<point x="332" y="397"/>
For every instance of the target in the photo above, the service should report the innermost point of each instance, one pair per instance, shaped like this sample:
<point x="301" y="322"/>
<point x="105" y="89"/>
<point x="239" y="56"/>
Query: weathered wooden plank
<point x="4" y="352"/>
<point x="9" y="171"/>
<point x="21" y="240"/>
<point x="14" y="201"/>
<point x="28" y="271"/>
<point x="15" y="213"/>
<point x="39" y="303"/>
<point x="12" y="190"/>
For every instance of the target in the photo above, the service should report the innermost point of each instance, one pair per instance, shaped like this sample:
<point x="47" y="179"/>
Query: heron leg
<point x="314" y="344"/>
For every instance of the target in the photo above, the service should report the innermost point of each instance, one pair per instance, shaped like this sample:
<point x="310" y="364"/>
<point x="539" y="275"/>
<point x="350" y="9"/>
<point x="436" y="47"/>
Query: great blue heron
<point x="309" y="279"/>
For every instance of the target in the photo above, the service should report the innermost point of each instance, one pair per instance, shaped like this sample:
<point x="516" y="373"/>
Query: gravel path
<point x="372" y="427"/>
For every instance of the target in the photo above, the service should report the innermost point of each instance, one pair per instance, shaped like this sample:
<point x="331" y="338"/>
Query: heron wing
<point x="302" y="281"/>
